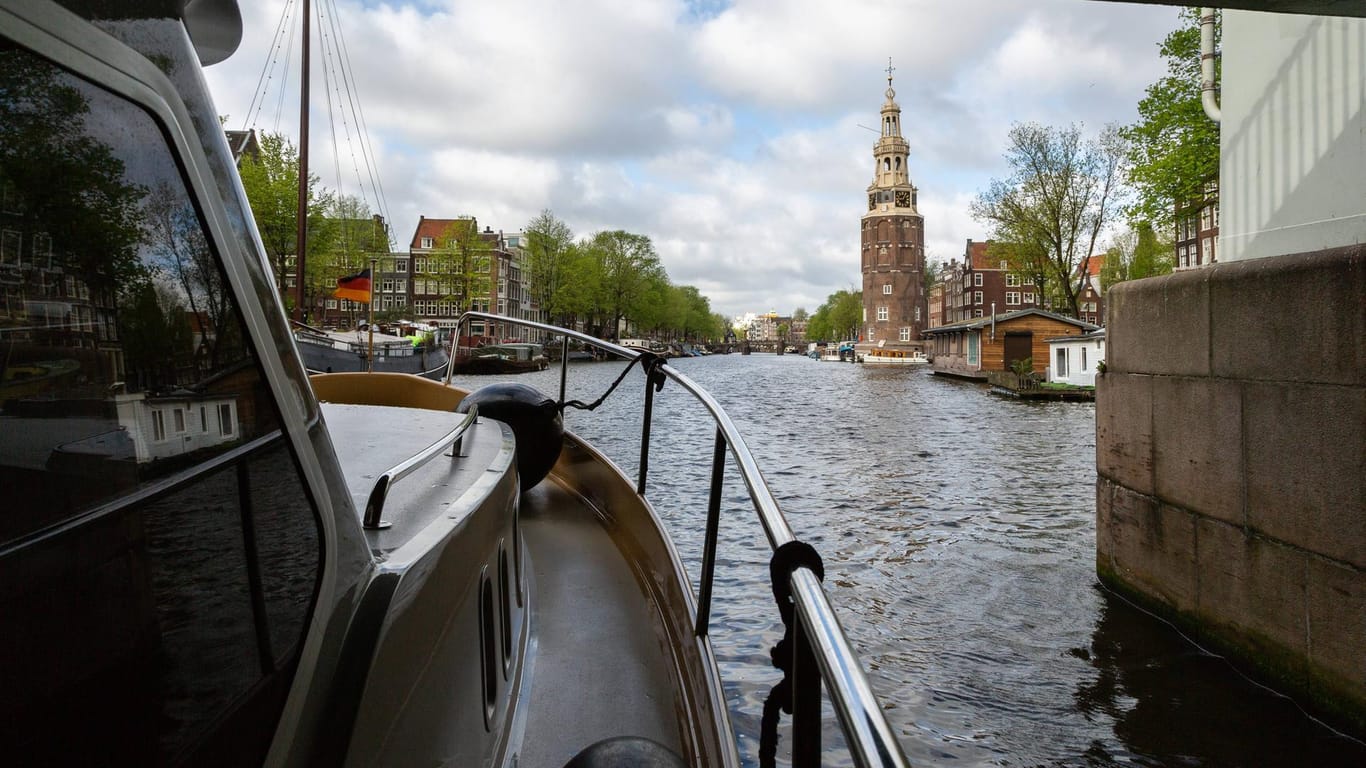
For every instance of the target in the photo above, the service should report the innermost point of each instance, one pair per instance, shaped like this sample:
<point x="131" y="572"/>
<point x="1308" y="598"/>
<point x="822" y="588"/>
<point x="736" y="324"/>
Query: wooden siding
<point x="1043" y="328"/>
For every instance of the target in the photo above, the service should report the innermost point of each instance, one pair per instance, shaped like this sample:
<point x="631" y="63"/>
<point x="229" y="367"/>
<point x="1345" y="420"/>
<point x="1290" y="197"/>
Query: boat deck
<point x="595" y="668"/>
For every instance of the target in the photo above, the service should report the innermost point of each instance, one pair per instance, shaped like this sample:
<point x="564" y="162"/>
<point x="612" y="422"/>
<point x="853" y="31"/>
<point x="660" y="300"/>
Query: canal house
<point x="971" y="348"/>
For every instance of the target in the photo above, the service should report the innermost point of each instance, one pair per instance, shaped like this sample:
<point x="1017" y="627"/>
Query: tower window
<point x="886" y="164"/>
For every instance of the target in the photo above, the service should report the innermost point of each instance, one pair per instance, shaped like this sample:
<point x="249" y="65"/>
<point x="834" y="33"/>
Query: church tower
<point x="894" y="303"/>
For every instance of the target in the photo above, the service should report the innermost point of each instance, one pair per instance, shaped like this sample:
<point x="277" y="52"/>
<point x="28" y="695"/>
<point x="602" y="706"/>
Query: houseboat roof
<point x="1099" y="333"/>
<point x="981" y="322"/>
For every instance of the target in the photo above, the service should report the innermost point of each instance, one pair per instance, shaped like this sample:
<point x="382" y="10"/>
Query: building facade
<point x="1197" y="230"/>
<point x="979" y="287"/>
<point x="895" y="309"/>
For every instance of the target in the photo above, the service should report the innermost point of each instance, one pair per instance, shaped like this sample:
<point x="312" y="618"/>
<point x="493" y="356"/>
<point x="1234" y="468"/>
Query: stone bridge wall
<point x="1231" y="452"/>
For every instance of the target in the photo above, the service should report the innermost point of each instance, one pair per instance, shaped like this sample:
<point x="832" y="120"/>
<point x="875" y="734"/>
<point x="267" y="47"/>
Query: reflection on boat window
<point x="159" y="550"/>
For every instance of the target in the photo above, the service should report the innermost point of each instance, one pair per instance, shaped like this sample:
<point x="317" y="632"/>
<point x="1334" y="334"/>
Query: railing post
<point x="564" y="366"/>
<point x="645" y="429"/>
<point x="718" y="468"/>
<point x="806" y="699"/>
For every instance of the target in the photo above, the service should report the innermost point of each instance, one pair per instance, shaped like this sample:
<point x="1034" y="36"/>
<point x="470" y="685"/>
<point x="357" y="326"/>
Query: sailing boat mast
<point x="301" y="234"/>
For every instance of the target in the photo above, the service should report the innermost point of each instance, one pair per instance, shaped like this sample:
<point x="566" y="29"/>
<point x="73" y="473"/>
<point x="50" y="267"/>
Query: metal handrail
<point x="374" y="506"/>
<point x="866" y="730"/>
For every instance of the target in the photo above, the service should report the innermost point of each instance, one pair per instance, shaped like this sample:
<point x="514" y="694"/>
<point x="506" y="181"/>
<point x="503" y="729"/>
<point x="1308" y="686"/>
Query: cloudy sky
<point x="731" y="133"/>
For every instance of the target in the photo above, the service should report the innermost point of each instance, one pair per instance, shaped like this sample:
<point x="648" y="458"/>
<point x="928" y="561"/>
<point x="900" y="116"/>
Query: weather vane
<point x="890" y="70"/>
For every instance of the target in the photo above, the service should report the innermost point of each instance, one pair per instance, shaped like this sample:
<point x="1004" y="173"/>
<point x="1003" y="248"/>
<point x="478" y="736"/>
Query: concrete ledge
<point x="1179" y="305"/>
<point x="1152" y="546"/>
<point x="1124" y="430"/>
<point x="1306" y="455"/>
<point x="1198" y="445"/>
<point x="1253" y="586"/>
<point x="1268" y="319"/>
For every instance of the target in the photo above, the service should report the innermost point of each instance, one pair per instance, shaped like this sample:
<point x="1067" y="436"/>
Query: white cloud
<point x="727" y="132"/>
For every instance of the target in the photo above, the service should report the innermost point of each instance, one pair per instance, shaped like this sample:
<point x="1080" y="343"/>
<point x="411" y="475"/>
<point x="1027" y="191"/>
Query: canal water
<point x="958" y="534"/>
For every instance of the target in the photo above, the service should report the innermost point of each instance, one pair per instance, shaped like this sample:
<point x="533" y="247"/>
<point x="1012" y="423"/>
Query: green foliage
<point x="1173" y="149"/>
<point x="1136" y="254"/>
<point x="838" y="318"/>
<point x="271" y="181"/>
<point x="1022" y="367"/>
<point x="549" y="261"/>
<point x="73" y="185"/>
<point x="1049" y="213"/>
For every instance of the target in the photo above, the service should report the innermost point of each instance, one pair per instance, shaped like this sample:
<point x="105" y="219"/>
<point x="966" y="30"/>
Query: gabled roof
<point x="437" y="228"/>
<point x="981" y="322"/>
<point x="1092" y="265"/>
<point x="976" y="255"/>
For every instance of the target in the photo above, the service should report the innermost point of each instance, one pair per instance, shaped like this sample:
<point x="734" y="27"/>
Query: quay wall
<point x="1231" y="465"/>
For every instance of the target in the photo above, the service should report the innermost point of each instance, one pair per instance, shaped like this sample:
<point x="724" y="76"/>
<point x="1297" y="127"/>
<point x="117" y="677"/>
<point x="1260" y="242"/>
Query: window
<point x="1012" y="298"/>
<point x="1028" y="298"/>
<point x="976" y="313"/>
<point x="1207" y="217"/>
<point x="1012" y="281"/>
<point x="881" y="313"/>
<point x="1082" y="369"/>
<point x="977" y="279"/>
<point x="387" y="285"/>
<point x="419" y="264"/>
<point x="905" y="334"/>
<point x="977" y="297"/>
<point x="169" y="644"/>
<point x="10" y="244"/>
<point x="1029" y="280"/>
<point x="887" y="290"/>
<point x="1060" y="369"/>
<point x="400" y="265"/>
<point x="426" y="242"/>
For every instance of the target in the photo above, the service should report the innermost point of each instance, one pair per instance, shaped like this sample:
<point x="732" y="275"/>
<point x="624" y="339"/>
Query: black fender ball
<point x="535" y="421"/>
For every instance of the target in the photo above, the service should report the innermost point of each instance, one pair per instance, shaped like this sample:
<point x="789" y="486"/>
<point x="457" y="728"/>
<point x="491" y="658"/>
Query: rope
<point x="648" y="360"/>
<point x="786" y="559"/>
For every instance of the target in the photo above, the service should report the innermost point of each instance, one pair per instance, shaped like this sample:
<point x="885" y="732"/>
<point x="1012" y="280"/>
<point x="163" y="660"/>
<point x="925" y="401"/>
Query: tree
<point x="1173" y="149"/>
<point x="628" y="265"/>
<point x="179" y="250"/>
<point x="549" y="258"/>
<point x="838" y="318"/>
<point x="799" y="315"/>
<point x="1060" y="196"/>
<point x="271" y="181"/>
<point x="1135" y="254"/>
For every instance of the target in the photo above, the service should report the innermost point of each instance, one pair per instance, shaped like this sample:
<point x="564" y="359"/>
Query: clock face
<point x="872" y="201"/>
<point x="903" y="199"/>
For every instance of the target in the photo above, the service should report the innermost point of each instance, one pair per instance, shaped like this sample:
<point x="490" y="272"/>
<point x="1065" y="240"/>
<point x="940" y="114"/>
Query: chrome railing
<point x="818" y="638"/>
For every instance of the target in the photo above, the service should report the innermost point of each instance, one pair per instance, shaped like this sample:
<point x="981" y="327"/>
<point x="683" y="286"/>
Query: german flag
<point x="354" y="287"/>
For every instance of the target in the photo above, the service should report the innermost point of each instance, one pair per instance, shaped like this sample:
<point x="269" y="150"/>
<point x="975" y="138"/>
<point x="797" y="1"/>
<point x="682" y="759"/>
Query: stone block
<point x="1152" y="548"/>
<point x="1197" y="445"/>
<point x="1124" y="430"/>
<point x="1306" y="454"/>
<point x="1337" y="624"/>
<point x="1159" y="325"/>
<point x="1254" y="589"/>
<point x="1290" y="318"/>
<point x="1105" y="494"/>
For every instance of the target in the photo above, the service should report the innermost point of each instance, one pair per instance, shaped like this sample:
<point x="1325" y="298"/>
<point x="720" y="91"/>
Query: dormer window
<point x="426" y="242"/>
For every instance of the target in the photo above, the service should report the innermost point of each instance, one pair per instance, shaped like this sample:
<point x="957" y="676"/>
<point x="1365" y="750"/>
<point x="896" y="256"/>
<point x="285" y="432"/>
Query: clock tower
<point x="895" y="310"/>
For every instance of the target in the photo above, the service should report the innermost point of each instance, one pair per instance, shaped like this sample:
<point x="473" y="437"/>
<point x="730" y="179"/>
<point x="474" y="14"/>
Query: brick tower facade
<point x="895" y="310"/>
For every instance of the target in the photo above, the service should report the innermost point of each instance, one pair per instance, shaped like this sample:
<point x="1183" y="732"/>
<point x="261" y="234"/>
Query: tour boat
<point x="894" y="357"/>
<point x="210" y="557"/>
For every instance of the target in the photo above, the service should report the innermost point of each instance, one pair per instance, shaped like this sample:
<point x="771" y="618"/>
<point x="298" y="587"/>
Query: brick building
<point x="979" y="286"/>
<point x="895" y="310"/>
<point x="1197" y="230"/>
